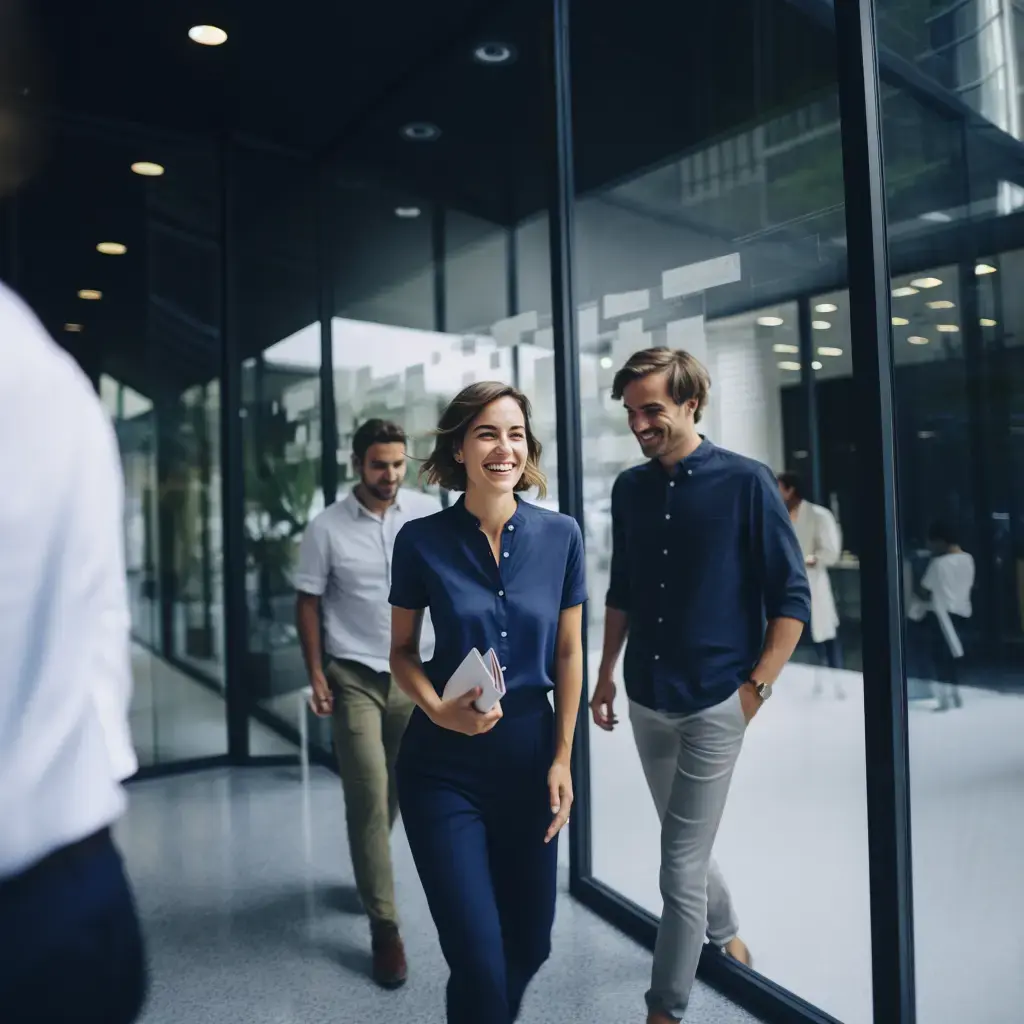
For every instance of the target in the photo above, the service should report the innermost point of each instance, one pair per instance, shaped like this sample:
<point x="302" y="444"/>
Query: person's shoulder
<point x="418" y="505"/>
<point x="426" y="526"/>
<point x="743" y="466"/>
<point x="327" y="518"/>
<point x="552" y="520"/>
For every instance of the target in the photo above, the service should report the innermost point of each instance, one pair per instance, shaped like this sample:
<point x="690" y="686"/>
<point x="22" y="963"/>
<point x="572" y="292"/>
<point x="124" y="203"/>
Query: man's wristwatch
<point x="763" y="690"/>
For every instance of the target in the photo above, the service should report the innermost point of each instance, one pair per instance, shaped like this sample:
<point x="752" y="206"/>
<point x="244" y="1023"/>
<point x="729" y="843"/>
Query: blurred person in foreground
<point x="344" y="577"/>
<point x="72" y="948"/>
<point x="708" y="581"/>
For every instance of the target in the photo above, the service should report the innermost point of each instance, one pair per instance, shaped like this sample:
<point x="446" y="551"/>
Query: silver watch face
<point x="764" y="690"/>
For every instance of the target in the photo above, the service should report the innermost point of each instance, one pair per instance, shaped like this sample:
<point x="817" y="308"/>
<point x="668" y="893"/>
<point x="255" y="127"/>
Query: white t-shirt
<point x="345" y="558"/>
<point x="949" y="579"/>
<point x="65" y="675"/>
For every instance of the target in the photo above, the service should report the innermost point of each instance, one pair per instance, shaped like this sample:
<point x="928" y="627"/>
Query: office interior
<point x="254" y="245"/>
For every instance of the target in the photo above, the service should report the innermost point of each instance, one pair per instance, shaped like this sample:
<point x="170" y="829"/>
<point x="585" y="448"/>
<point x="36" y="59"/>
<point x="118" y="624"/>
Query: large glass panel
<point x="706" y="227"/>
<point x="124" y="269"/>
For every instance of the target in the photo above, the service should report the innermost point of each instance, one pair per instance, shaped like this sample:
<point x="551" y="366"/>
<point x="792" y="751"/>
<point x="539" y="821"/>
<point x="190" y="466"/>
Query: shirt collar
<point x="698" y="457"/>
<point x="466" y="518"/>
<point x="356" y="507"/>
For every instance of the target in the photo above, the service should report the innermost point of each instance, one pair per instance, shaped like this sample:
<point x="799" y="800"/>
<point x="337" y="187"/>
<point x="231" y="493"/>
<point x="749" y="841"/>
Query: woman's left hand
<point x="560" y="791"/>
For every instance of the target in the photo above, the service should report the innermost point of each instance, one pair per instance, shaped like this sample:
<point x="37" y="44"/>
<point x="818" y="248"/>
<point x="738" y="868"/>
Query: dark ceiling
<point x="312" y="97"/>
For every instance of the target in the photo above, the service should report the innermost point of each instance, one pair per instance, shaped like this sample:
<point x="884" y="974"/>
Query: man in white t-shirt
<point x="344" y="577"/>
<point x="71" y="948"/>
<point x="946" y="589"/>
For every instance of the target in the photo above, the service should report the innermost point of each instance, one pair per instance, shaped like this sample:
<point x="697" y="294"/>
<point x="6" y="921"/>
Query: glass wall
<point x="124" y="269"/>
<point x="958" y="394"/>
<point x="707" y="235"/>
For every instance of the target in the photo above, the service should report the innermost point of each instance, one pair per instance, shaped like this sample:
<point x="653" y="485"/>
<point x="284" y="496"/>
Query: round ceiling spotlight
<point x="148" y="169"/>
<point x="90" y="294"/>
<point x="916" y="339"/>
<point x="112" y="248"/>
<point x="770" y="321"/>
<point x="826" y="307"/>
<point x="494" y="53"/>
<point x="420" y="131"/>
<point x="207" y="35"/>
<point x="74" y="328"/>
<point x="407" y="212"/>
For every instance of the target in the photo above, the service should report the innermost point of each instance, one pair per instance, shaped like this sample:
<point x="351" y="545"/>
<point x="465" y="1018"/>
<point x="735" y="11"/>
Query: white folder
<point x="481" y="670"/>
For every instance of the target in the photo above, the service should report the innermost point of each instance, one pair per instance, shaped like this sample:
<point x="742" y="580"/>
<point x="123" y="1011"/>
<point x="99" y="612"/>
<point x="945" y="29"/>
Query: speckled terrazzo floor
<point x="245" y="888"/>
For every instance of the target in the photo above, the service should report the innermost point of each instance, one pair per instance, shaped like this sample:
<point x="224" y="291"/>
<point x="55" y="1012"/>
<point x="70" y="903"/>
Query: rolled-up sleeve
<point x="618" y="579"/>
<point x="574" y="585"/>
<point x="313" y="567"/>
<point x="408" y="587"/>
<point x="787" y="594"/>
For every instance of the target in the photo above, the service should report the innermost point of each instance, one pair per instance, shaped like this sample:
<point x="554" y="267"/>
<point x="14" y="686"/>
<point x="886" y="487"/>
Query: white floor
<point x="794" y="847"/>
<point x="174" y="718"/>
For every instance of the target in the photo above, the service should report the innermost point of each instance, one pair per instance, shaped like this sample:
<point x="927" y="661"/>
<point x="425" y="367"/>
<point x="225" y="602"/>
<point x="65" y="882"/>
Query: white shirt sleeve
<point x="313" y="568"/>
<point x="828" y="538"/>
<point x="99" y="522"/>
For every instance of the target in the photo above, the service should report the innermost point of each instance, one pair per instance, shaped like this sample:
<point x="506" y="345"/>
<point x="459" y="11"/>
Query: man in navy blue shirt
<point x="708" y="582"/>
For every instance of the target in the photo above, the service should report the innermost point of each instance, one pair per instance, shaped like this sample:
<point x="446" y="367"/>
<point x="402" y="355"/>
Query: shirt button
<point x="662" y="585"/>
<point x="667" y="515"/>
<point x="510" y="527"/>
<point x="660" y="619"/>
<point x="689" y="472"/>
<point x="501" y="593"/>
<point x="504" y="668"/>
<point x="503" y="633"/>
<point x="505" y="554"/>
<point x="665" y="551"/>
<point x="671" y="483"/>
<point x="657" y="657"/>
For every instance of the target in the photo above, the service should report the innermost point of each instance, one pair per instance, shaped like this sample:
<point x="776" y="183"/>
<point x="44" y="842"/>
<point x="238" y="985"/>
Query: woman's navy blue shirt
<point x="444" y="562"/>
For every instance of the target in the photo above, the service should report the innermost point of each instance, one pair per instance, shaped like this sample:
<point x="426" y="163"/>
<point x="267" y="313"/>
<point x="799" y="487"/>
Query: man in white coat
<point x="822" y="544"/>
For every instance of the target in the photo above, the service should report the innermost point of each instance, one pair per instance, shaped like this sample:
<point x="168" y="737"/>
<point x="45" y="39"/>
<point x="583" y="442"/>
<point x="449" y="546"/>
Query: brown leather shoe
<point x="389" y="967"/>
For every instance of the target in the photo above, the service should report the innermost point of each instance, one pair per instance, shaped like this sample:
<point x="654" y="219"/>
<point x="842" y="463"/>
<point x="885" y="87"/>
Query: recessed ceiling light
<point x="770" y="321"/>
<point x="926" y="282"/>
<point x="420" y="131"/>
<point x="986" y="322"/>
<point x="915" y="339"/>
<point x="936" y="217"/>
<point x="947" y="328"/>
<point x="900" y="321"/>
<point x="902" y="293"/>
<point x="984" y="268"/>
<point x="607" y="362"/>
<point x="825" y="307"/>
<point x="407" y="212"/>
<point x="148" y="169"/>
<point x="787" y="365"/>
<point x="73" y="328"/>
<point x="820" y="325"/>
<point x="207" y="35"/>
<point x="494" y="53"/>
<point x="112" y="248"/>
<point x="827" y="351"/>
<point x="815" y="365"/>
<point x="90" y="294"/>
<point x="941" y="304"/>
<point x="786" y="350"/>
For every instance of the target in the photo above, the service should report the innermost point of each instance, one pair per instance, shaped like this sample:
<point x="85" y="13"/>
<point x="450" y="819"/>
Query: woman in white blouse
<point x="822" y="544"/>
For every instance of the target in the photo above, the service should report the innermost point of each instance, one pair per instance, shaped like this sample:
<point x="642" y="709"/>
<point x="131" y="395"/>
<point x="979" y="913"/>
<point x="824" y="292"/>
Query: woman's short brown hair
<point x="441" y="468"/>
<point x="686" y="375"/>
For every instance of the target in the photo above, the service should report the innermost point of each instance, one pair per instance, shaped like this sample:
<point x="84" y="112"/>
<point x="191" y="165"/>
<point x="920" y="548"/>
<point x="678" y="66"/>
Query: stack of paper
<point x="483" y="670"/>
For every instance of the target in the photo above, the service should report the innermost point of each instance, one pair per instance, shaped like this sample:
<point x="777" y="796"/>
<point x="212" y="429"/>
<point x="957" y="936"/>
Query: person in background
<point x="945" y="589"/>
<point x="485" y="794"/>
<point x="822" y="544"/>
<point x="72" y="947"/>
<point x="708" y="581"/>
<point x="344" y="575"/>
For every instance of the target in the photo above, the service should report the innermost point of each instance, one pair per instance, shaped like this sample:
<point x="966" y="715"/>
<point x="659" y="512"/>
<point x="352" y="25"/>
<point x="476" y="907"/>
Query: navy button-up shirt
<point x="701" y="557"/>
<point x="444" y="562"/>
